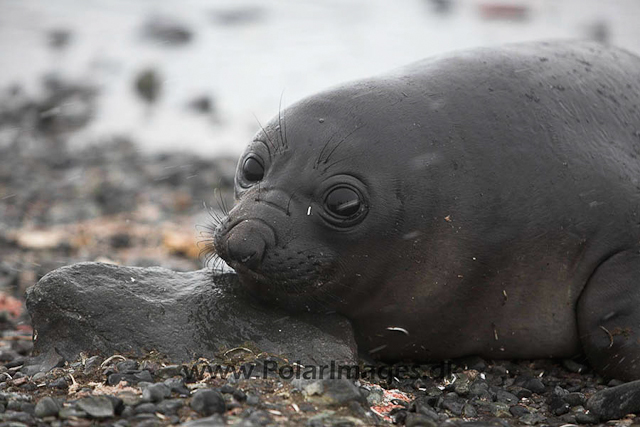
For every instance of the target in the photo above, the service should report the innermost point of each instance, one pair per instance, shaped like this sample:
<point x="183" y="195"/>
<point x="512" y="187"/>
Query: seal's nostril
<point x="246" y="250"/>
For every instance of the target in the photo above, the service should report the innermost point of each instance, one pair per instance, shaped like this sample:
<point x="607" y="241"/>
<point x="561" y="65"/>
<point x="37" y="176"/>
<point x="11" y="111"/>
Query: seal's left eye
<point x="253" y="170"/>
<point x="343" y="202"/>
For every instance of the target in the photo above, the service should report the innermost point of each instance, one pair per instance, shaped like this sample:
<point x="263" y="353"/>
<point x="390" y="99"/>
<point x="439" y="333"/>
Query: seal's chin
<point x="293" y="294"/>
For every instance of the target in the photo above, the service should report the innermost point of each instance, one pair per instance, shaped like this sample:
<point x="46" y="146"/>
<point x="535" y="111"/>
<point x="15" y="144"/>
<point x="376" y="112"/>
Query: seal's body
<point x="486" y="202"/>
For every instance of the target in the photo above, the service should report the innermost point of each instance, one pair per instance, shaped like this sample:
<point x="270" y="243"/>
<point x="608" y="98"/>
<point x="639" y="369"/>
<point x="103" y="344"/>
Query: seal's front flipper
<point x="609" y="317"/>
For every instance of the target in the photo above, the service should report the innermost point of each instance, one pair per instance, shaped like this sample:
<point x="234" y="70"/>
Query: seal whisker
<point x="337" y="161"/>
<point x="275" y="149"/>
<point x="281" y="129"/>
<point x="220" y="200"/>
<point x="339" y="143"/>
<point x="217" y="219"/>
<point x="324" y="147"/>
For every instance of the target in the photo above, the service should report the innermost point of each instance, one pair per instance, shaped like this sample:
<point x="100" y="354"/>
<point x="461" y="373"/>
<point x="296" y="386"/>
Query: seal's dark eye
<point x="252" y="170"/>
<point x="343" y="202"/>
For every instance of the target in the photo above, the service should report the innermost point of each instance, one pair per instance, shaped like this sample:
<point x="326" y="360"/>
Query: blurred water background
<point x="193" y="75"/>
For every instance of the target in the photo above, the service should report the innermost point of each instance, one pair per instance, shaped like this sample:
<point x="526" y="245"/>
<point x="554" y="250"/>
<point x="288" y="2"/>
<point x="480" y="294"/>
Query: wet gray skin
<point x="484" y="202"/>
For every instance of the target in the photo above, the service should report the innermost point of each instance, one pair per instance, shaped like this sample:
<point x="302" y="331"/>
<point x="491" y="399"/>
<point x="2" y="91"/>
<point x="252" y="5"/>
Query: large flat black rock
<point x="105" y="309"/>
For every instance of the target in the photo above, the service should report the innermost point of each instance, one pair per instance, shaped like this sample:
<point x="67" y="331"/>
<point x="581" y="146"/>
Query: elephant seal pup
<point x="485" y="202"/>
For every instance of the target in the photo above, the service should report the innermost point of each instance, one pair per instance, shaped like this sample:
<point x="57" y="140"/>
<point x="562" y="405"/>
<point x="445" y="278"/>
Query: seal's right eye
<point x="253" y="170"/>
<point x="343" y="202"/>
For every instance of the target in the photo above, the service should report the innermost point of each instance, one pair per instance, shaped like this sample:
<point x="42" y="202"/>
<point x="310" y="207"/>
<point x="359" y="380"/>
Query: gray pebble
<point x="59" y="383"/>
<point x="155" y="392"/>
<point x="46" y="407"/>
<point x="96" y="406"/>
<point x="506" y="397"/>
<point x="146" y="408"/>
<point x="208" y="402"/>
<point x="170" y="406"/>
<point x="535" y="385"/>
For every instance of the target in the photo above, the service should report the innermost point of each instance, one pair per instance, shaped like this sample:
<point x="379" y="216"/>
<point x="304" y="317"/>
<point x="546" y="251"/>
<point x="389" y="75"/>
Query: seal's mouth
<point x="302" y="279"/>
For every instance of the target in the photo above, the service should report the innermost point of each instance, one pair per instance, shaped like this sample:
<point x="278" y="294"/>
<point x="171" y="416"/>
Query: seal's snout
<point x="246" y="250"/>
<point x="247" y="243"/>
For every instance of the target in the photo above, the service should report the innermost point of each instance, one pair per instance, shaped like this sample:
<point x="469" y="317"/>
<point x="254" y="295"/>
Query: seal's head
<point x="317" y="198"/>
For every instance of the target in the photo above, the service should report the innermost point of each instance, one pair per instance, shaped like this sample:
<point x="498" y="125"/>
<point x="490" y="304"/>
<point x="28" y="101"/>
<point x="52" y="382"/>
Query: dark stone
<point x="453" y="405"/>
<point x="215" y="420"/>
<point x="575" y="399"/>
<point x="616" y="402"/>
<point x="128" y="412"/>
<point x="59" y="383"/>
<point x="118" y="404"/>
<point x="520" y="392"/>
<point x="30" y="386"/>
<point x="336" y="392"/>
<point x="506" y="397"/>
<point x="28" y="407"/>
<point x="473" y="362"/>
<point x="146" y="408"/>
<point x="96" y="406"/>
<point x="518" y="410"/>
<point x="92" y="364"/>
<point x="418" y="420"/>
<point x="556" y="402"/>
<point x="13" y="405"/>
<point x="468" y="411"/>
<point x="573" y="366"/>
<point x="18" y="417"/>
<point x="227" y="389"/>
<point x="535" y="385"/>
<point x="424" y="409"/>
<point x="480" y="390"/>
<point x="115" y="379"/>
<point x="181" y="315"/>
<point x="560" y="392"/>
<point x="71" y="412"/>
<point x="532" y="419"/>
<point x="15" y="362"/>
<point x="169" y="371"/>
<point x="45" y="360"/>
<point x="568" y="418"/>
<point x="143" y="375"/>
<point x="499" y="409"/>
<point x="239" y="395"/>
<point x="260" y="418"/>
<point x="170" y="406"/>
<point x="148" y="421"/>
<point x="564" y="409"/>
<point x="499" y="370"/>
<point x="126" y="366"/>
<point x="582" y="418"/>
<point x="46" y="407"/>
<point x="155" y="393"/>
<point x="208" y="402"/>
<point x="7" y="356"/>
<point x="177" y="385"/>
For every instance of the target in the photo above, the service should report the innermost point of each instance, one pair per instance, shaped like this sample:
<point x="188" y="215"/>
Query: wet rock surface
<point x="106" y="309"/>
<point x="615" y="402"/>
